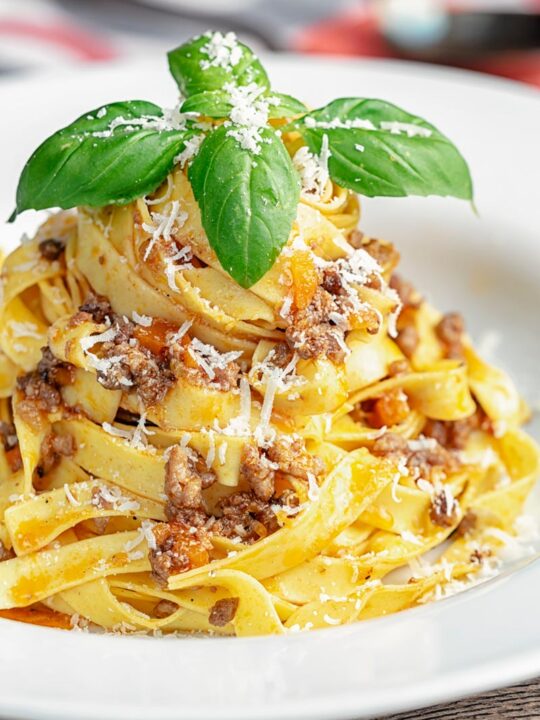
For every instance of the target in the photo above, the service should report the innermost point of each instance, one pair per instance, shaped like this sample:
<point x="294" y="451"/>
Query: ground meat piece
<point x="292" y="458"/>
<point x="51" y="249"/>
<point x="226" y="378"/>
<point x="450" y="332"/>
<point x="41" y="386"/>
<point x="223" y="611"/>
<point x="281" y="355"/>
<point x="391" y="408"/>
<point x="454" y="434"/>
<point x="164" y="608"/>
<point x="312" y="334"/>
<point x="424" y="461"/>
<point x="99" y="501"/>
<point x="54" y="371"/>
<point x="421" y="461"/>
<point x="383" y="252"/>
<point x="399" y="367"/>
<point x="408" y="294"/>
<point x="137" y="368"/>
<point x="245" y="515"/>
<point x="52" y="449"/>
<point x="442" y="510"/>
<point x="389" y="444"/>
<point x="193" y="517"/>
<point x="8" y="436"/>
<point x="258" y="472"/>
<point x="185" y="478"/>
<point x="332" y="280"/>
<point x="98" y="307"/>
<point x="407" y="340"/>
<point x="356" y="238"/>
<point x="179" y="548"/>
<point x="467" y="525"/>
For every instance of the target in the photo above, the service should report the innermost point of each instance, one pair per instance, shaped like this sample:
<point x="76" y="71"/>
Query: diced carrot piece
<point x="305" y="279"/>
<point x="154" y="337"/>
<point x="390" y="409"/>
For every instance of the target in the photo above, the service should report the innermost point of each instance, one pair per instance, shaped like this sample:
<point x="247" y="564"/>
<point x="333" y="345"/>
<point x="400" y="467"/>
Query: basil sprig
<point x="242" y="177"/>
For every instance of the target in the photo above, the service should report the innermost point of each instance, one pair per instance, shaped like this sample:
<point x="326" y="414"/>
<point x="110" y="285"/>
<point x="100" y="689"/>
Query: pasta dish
<point x="223" y="410"/>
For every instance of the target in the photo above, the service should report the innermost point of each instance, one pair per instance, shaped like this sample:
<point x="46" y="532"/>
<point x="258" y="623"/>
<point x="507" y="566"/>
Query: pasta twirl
<point x="246" y="422"/>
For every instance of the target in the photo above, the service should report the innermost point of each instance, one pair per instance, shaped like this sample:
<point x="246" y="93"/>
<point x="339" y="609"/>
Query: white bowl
<point x="487" y="266"/>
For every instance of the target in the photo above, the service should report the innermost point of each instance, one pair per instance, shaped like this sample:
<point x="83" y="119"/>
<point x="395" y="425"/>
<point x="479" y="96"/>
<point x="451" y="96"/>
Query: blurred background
<point x="501" y="37"/>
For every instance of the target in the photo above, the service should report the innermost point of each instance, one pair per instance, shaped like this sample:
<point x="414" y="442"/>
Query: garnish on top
<point x="227" y="132"/>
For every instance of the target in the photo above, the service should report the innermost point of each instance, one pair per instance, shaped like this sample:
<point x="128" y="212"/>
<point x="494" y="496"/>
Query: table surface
<point x="517" y="702"/>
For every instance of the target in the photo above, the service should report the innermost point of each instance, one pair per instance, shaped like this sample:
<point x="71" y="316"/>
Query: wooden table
<point x="519" y="702"/>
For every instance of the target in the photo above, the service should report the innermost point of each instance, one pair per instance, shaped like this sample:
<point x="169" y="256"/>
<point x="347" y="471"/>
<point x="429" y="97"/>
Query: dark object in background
<point x="465" y="36"/>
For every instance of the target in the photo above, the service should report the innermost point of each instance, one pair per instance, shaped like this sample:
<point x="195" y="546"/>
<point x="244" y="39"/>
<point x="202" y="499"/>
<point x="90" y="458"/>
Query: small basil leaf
<point x="378" y="149"/>
<point x="248" y="202"/>
<point x="286" y="106"/>
<point x="211" y="103"/>
<point x="211" y="60"/>
<point x="111" y="155"/>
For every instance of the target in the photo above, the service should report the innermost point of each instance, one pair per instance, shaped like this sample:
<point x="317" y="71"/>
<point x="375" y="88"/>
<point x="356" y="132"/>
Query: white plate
<point x="488" y="266"/>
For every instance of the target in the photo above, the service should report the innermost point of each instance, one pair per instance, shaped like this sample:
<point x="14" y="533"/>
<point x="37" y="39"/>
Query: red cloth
<point x="357" y="33"/>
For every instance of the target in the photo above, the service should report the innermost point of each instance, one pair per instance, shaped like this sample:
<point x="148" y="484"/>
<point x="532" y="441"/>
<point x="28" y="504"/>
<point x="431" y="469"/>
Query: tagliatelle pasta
<point x="190" y="444"/>
<point x="384" y="451"/>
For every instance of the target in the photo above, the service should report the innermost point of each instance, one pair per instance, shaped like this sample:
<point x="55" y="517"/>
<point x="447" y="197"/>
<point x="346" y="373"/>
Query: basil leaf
<point x="400" y="155"/>
<point x="217" y="104"/>
<point x="211" y="60"/>
<point x="111" y="155"/>
<point x="286" y="107"/>
<point x="248" y="202"/>
<point x="211" y="103"/>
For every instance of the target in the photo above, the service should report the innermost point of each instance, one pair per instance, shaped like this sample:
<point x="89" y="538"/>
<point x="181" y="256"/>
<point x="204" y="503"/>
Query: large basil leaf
<point x="248" y="202"/>
<point x="111" y="155"/>
<point x="379" y="149"/>
<point x="196" y="70"/>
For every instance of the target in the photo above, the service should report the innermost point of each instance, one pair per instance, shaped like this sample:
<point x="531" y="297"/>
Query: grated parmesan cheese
<point x="192" y="147"/>
<point x="410" y="537"/>
<point x="163" y="225"/>
<point x="313" y="169"/>
<point x="144" y="320"/>
<point x="70" y="497"/>
<point x="397" y="128"/>
<point x="209" y="358"/>
<point x="182" y="257"/>
<point x="221" y="50"/>
<point x="248" y="115"/>
<point x="179" y="334"/>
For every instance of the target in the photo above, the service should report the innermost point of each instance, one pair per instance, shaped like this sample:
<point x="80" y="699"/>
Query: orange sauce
<point x="36" y="615"/>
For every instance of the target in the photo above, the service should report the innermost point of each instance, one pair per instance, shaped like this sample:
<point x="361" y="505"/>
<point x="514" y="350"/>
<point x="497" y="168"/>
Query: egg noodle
<point x="183" y="454"/>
